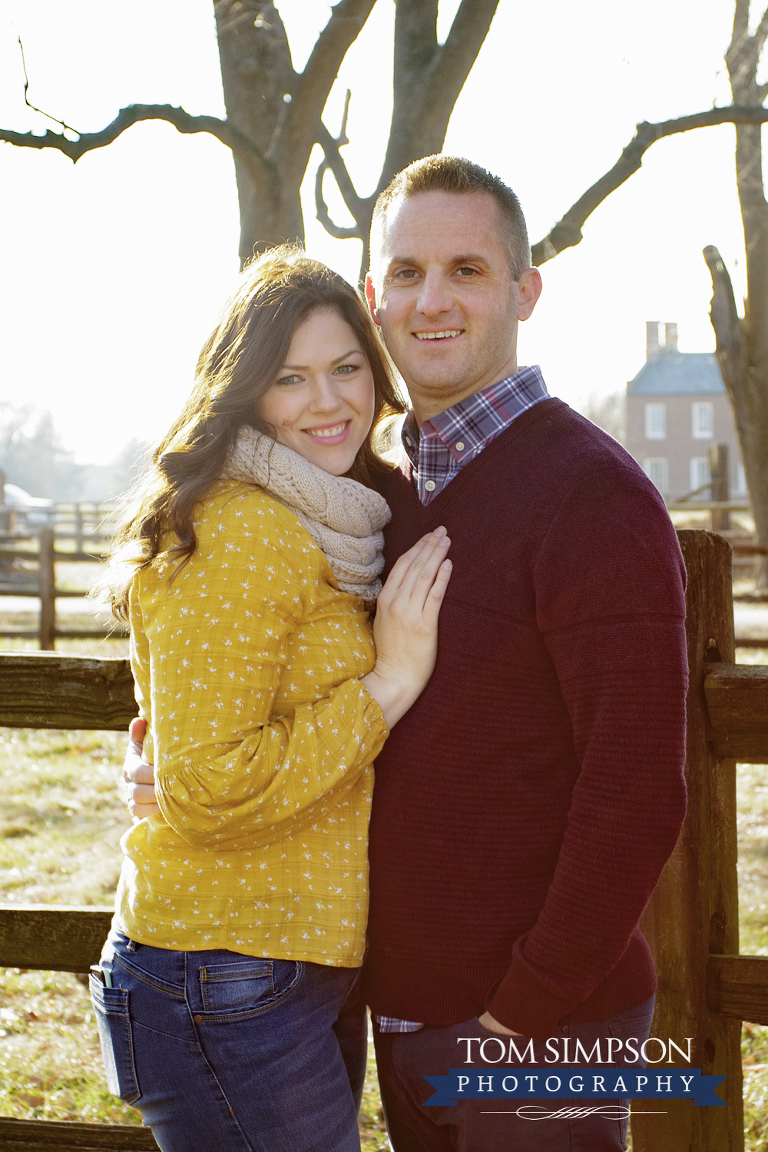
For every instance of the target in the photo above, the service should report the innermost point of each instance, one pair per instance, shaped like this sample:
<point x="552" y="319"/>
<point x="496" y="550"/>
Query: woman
<point x="223" y="995"/>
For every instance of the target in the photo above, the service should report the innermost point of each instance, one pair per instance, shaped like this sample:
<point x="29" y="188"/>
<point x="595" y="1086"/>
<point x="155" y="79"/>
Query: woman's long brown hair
<point x="240" y="360"/>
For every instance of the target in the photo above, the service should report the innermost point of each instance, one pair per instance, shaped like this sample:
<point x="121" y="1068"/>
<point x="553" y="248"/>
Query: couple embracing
<point x="523" y="702"/>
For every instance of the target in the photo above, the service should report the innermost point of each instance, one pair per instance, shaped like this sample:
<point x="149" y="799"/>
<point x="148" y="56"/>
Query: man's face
<point x="442" y="291"/>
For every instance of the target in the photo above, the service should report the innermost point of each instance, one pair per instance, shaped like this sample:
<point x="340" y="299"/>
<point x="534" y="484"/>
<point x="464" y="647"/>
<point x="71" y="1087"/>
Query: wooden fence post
<point x="79" y="528"/>
<point x="46" y="590"/>
<point x="5" y="515"/>
<point x="694" y="910"/>
<point x="721" y="486"/>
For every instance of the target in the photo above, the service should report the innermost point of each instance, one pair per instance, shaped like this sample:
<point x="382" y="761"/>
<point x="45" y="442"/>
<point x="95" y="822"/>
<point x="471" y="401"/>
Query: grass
<point x="61" y="819"/>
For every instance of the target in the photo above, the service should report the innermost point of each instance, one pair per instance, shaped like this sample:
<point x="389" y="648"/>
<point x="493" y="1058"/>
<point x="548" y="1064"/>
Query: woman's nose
<point x="325" y="394"/>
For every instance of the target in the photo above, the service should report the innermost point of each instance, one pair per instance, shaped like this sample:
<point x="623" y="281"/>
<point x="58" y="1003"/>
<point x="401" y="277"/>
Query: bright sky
<point x="113" y="270"/>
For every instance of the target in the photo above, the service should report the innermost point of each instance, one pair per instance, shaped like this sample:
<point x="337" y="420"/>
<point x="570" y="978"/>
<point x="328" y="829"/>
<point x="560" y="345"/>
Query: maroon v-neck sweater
<point x="525" y="806"/>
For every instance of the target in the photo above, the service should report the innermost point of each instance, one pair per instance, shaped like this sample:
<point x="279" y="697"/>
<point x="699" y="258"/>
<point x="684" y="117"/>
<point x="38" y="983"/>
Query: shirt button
<point x="430" y="485"/>
<point x="460" y="446"/>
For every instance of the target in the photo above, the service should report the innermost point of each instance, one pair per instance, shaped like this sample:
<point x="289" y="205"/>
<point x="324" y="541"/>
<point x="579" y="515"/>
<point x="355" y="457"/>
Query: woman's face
<point x="321" y="404"/>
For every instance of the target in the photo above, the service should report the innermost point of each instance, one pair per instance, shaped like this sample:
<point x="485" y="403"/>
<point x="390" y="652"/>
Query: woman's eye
<point x="346" y="369"/>
<point x="288" y="380"/>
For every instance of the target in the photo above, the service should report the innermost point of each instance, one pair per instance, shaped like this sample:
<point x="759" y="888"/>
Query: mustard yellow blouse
<point x="263" y="740"/>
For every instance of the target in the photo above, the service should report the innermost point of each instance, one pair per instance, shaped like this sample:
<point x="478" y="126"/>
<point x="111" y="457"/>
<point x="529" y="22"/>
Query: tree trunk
<point x="742" y="345"/>
<point x="747" y="389"/>
<point x="276" y="110"/>
<point x="428" y="78"/>
<point x="257" y="74"/>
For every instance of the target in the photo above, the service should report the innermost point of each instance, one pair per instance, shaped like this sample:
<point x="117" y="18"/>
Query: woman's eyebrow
<point x="346" y="354"/>
<point x="305" y="367"/>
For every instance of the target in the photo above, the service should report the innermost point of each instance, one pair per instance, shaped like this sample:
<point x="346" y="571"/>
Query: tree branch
<point x="134" y="114"/>
<point x="567" y="232"/>
<point x="312" y="87"/>
<point x="321" y="208"/>
<point x="460" y="50"/>
<point x="359" y="208"/>
<point x="761" y="32"/>
<point x="740" y="22"/>
<point x="66" y="127"/>
<point x="727" y="326"/>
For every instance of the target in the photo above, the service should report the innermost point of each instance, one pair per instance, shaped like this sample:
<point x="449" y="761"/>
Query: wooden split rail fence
<point x="705" y="987"/>
<point x="41" y="584"/>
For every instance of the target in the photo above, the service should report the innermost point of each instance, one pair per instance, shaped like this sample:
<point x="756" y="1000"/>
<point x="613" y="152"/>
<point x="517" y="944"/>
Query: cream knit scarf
<point x="344" y="518"/>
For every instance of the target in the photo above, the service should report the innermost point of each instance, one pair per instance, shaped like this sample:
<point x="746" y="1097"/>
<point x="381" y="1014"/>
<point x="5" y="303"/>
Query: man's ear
<point x="528" y="292"/>
<point x="370" y="295"/>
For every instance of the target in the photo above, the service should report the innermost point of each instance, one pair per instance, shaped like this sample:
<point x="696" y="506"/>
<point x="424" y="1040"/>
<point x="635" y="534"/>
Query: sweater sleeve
<point x="609" y="584"/>
<point x="230" y="773"/>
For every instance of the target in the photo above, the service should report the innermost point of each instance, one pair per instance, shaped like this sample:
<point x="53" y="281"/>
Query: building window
<point x="657" y="468"/>
<point x="703" y="420"/>
<point x="700" y="475"/>
<point x="655" y="421"/>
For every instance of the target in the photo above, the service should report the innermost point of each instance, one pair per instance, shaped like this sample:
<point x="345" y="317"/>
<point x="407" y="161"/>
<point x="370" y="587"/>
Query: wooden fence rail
<point x="42" y="585"/>
<point x="705" y="987"/>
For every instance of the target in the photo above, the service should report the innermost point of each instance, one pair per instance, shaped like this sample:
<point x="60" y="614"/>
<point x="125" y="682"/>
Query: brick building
<point x="677" y="408"/>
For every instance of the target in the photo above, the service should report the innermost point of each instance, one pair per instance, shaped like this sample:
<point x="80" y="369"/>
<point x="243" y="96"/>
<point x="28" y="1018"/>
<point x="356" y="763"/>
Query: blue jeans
<point x="224" y="1051"/>
<point x="403" y="1059"/>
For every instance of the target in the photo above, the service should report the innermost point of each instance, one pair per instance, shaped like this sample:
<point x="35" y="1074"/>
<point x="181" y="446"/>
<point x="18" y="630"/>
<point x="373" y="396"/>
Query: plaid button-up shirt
<point x="441" y="448"/>
<point x="446" y="443"/>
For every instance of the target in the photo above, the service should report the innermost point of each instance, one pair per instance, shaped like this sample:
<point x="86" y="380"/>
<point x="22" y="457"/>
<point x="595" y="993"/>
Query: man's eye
<point x="467" y="272"/>
<point x="406" y="274"/>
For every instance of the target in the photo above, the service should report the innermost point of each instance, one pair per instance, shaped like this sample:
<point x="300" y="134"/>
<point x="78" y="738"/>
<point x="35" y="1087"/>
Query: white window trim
<point x="697" y="408"/>
<point x="656" y="464"/>
<point x="655" y="415"/>
<point x="699" y="474"/>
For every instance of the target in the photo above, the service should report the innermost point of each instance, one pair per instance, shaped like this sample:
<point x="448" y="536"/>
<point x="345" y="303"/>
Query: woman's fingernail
<point x="441" y="531"/>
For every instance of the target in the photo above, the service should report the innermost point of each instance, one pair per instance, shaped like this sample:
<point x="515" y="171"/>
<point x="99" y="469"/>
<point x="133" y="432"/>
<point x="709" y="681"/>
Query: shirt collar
<point x="476" y="419"/>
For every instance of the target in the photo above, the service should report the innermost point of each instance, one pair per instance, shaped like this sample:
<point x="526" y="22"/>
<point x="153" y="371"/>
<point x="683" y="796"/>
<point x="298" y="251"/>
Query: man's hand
<point x="139" y="777"/>
<point x="492" y="1025"/>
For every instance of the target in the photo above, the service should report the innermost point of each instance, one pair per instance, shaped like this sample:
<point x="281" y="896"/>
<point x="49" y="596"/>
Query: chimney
<point x="651" y="338"/>
<point x="670" y="338"/>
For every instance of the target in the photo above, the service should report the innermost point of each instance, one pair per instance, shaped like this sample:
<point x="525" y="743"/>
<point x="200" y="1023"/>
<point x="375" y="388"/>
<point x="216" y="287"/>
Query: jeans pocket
<point x="115" y="1036"/>
<point x="247" y="985"/>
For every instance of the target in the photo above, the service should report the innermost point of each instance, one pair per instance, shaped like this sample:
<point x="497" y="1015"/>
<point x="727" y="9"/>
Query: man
<point x="525" y="806"/>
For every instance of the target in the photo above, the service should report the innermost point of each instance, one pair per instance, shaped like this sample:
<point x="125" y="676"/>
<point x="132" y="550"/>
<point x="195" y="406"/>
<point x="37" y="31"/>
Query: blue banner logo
<point x="575" y="1083"/>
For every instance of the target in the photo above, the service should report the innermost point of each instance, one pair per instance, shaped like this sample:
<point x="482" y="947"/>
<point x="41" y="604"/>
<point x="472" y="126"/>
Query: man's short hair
<point x="455" y="174"/>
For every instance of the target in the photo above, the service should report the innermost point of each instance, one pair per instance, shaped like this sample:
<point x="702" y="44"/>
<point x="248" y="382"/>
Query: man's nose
<point x="325" y="394"/>
<point x="435" y="296"/>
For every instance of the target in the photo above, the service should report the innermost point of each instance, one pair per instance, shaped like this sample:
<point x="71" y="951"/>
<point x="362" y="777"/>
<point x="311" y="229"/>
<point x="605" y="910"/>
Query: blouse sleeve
<point x="229" y="773"/>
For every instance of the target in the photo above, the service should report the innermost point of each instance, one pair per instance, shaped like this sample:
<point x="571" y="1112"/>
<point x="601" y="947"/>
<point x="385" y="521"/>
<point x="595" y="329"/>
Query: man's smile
<point x="446" y="335"/>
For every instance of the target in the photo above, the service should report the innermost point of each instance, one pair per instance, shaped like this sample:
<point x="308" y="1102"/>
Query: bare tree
<point x="742" y="344"/>
<point x="428" y="78"/>
<point x="274" y="113"/>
